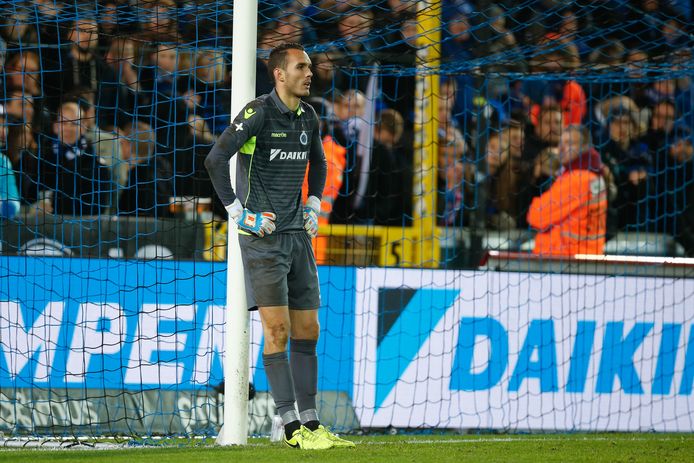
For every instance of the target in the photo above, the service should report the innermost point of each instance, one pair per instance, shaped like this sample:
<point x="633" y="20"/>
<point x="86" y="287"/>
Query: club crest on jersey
<point x="303" y="138"/>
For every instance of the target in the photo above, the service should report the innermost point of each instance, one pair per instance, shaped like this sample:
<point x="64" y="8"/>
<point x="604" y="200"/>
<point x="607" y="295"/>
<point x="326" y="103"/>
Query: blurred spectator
<point x="637" y="62"/>
<point x="457" y="41"/>
<point x="159" y="22"/>
<point x="291" y="25"/>
<point x="619" y="103"/>
<point x="183" y="136"/>
<point x="18" y="107"/>
<point x="105" y="144"/>
<point x="501" y="182"/>
<point x="629" y="161"/>
<point x="644" y="23"/>
<point x="323" y="15"/>
<point x="672" y="190"/>
<point x="498" y="46"/>
<point x="328" y="79"/>
<point x="199" y="129"/>
<point x="19" y="29"/>
<point x="514" y="190"/>
<point x="349" y="109"/>
<point x="22" y="150"/>
<point x="120" y="57"/>
<point x="336" y="160"/>
<point x="150" y="179"/>
<point x="358" y="44"/>
<point x="81" y="181"/>
<point x="213" y="85"/>
<point x="268" y="38"/>
<point x="9" y="194"/>
<point x="392" y="12"/>
<point x="570" y="217"/>
<point x="446" y="117"/>
<point x="554" y="57"/>
<point x="453" y="176"/>
<point x="546" y="131"/>
<point x="398" y="90"/>
<point x="659" y="134"/>
<point x="389" y="196"/>
<point x="23" y="71"/>
<point x="675" y="37"/>
<point x="113" y="22"/>
<point x="164" y="64"/>
<point x="677" y="90"/>
<point x="81" y="66"/>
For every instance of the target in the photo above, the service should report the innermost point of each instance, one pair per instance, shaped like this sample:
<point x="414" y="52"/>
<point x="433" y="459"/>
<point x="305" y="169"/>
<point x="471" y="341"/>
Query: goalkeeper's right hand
<point x="257" y="223"/>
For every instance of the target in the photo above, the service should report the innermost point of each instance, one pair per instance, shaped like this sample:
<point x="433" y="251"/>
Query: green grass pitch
<point x="403" y="448"/>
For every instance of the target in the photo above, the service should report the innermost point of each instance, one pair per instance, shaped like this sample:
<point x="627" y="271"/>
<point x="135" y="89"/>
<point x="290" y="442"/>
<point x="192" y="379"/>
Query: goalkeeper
<point x="277" y="136"/>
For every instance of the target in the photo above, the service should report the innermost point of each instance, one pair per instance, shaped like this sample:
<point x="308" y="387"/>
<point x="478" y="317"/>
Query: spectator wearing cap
<point x="671" y="192"/>
<point x="9" y="194"/>
<point x="629" y="161"/>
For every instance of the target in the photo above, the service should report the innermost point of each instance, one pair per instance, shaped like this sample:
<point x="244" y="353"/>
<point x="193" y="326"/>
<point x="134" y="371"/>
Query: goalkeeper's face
<point x="297" y="75"/>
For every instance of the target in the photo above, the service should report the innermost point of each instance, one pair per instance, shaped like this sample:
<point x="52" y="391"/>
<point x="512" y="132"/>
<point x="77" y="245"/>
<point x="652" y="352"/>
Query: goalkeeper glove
<point x="311" y="209"/>
<point x="257" y="223"/>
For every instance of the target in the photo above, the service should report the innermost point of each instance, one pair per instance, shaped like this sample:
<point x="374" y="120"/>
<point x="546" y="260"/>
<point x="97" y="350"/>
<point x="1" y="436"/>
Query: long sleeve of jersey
<point x="243" y="129"/>
<point x="318" y="167"/>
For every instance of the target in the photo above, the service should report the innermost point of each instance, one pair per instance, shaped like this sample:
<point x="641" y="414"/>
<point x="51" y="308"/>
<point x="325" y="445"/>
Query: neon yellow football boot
<point x="337" y="441"/>
<point x="305" y="439"/>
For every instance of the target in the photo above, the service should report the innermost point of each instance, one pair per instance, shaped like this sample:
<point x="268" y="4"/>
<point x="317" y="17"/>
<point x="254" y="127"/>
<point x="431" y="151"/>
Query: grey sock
<point x="304" y="364"/>
<point x="281" y="387"/>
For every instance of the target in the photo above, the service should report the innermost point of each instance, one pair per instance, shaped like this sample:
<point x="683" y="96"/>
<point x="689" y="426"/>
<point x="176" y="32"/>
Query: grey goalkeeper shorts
<point x="280" y="270"/>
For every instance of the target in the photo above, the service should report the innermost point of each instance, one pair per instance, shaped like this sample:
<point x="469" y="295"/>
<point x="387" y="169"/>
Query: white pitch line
<point x="473" y="440"/>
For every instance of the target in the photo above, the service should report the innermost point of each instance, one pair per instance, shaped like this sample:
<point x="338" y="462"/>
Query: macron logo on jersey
<point x="293" y="155"/>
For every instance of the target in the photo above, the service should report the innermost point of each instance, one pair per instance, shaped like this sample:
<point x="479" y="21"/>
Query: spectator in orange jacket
<point x="570" y="217"/>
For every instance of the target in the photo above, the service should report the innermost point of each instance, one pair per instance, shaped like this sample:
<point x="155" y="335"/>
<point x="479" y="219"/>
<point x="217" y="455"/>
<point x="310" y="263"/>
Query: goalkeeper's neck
<point x="290" y="99"/>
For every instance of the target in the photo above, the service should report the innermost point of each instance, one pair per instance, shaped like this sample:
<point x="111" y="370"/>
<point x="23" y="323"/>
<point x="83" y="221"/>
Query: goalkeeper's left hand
<point x="311" y="210"/>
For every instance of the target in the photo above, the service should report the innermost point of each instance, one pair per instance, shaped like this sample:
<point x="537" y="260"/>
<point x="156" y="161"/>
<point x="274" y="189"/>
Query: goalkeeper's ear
<point x="278" y="74"/>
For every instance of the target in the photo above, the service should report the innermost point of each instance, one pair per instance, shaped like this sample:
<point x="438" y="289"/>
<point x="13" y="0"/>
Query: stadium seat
<point x="644" y="244"/>
<point x="507" y="240"/>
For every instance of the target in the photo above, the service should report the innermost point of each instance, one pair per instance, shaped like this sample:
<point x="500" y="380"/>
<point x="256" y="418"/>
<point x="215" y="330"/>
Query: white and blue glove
<point x="257" y="223"/>
<point x="311" y="210"/>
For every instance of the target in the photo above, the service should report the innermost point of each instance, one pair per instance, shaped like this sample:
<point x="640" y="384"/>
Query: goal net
<point x="443" y="123"/>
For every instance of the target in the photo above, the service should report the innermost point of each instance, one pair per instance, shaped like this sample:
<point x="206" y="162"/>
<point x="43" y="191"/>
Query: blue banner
<point x="107" y="323"/>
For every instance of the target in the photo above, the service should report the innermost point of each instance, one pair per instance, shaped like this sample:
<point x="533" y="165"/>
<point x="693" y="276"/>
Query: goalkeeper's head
<point x="290" y="68"/>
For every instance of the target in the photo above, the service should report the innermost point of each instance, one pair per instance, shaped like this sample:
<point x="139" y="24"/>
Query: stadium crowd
<point x="113" y="113"/>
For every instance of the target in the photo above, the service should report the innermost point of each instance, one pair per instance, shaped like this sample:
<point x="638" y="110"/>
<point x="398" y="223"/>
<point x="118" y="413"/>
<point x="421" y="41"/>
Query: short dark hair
<point x="278" y="57"/>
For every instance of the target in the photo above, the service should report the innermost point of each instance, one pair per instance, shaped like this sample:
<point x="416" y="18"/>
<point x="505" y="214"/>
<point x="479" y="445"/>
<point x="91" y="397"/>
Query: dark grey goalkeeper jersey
<point x="275" y="144"/>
